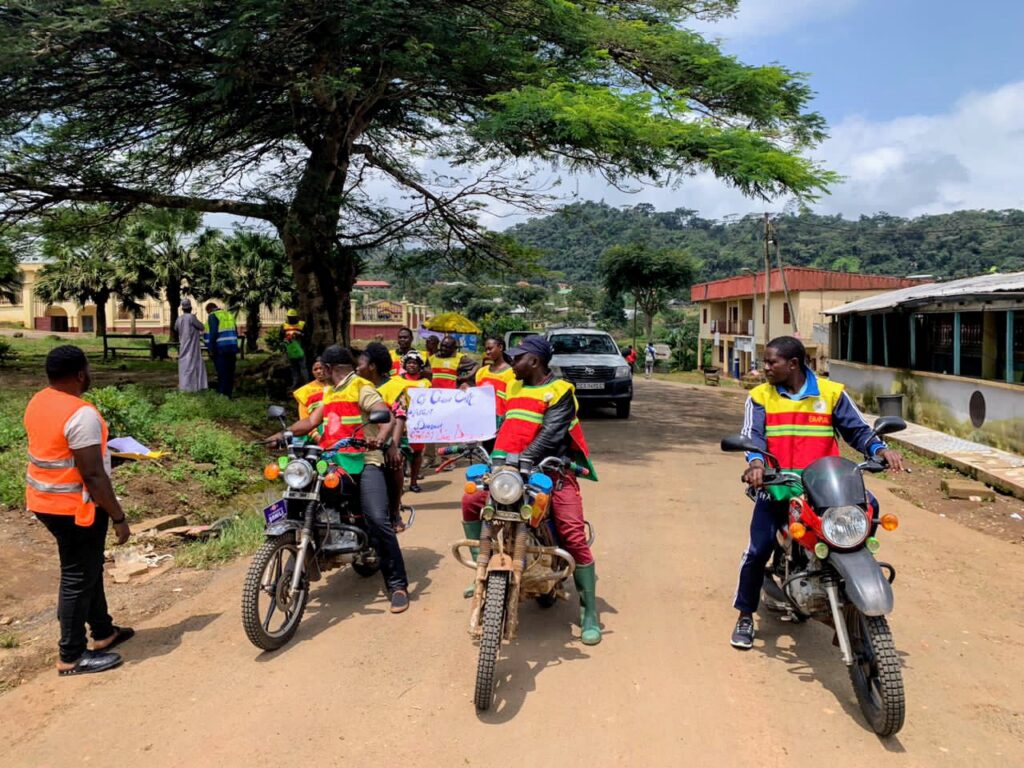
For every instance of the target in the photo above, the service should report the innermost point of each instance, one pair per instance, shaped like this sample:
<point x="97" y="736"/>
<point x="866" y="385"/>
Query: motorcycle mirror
<point x="886" y="425"/>
<point x="275" y="412"/>
<point x="736" y="443"/>
<point x="379" y="417"/>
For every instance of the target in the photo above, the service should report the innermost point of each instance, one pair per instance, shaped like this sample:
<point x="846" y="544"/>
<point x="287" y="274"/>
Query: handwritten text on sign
<point x="451" y="415"/>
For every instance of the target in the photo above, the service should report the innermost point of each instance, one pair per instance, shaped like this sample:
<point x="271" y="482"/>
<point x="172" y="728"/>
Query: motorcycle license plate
<point x="590" y="385"/>
<point x="275" y="512"/>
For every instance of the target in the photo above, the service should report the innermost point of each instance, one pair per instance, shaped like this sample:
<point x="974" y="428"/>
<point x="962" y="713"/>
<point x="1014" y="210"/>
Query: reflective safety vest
<point x="53" y="484"/>
<point x="500" y="381"/>
<point x="525" y="415"/>
<point x="798" y="432"/>
<point x="342" y="414"/>
<point x="445" y="371"/>
<point x="308" y="396"/>
<point x="393" y="389"/>
<point x="292" y="333"/>
<point x="227" y="334"/>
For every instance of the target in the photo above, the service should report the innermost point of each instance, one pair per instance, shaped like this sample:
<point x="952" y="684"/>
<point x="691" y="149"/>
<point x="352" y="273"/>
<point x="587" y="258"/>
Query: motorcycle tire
<point x="875" y="673"/>
<point x="270" y="556"/>
<point x="365" y="570"/>
<point x="490" y="641"/>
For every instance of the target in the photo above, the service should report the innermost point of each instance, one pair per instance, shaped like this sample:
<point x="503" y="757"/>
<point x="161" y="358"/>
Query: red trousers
<point x="566" y="511"/>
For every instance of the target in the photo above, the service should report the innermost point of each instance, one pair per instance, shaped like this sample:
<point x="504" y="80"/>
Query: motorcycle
<point x="316" y="526"/>
<point x="518" y="557"/>
<point x="825" y="569"/>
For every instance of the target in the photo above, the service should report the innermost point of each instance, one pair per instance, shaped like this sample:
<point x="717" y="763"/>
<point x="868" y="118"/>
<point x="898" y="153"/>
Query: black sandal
<point x="121" y="634"/>
<point x="93" y="661"/>
<point x="415" y="488"/>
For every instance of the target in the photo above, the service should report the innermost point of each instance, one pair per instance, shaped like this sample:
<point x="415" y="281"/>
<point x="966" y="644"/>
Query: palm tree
<point x="10" y="275"/>
<point x="248" y="270"/>
<point x="163" y="247"/>
<point x="92" y="270"/>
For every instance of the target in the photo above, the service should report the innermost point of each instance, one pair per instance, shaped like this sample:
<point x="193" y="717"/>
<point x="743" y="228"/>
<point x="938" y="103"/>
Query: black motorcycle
<point x="315" y="527"/>
<point x="825" y="569"/>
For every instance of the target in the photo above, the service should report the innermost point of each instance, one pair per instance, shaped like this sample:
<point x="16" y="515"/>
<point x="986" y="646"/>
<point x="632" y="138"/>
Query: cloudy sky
<point x="924" y="99"/>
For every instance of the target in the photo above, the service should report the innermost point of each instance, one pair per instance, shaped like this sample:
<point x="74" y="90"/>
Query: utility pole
<point x="767" y="280"/>
<point x="785" y="287"/>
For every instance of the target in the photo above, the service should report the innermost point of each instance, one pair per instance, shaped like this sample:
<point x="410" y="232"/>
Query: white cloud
<point x="764" y="18"/>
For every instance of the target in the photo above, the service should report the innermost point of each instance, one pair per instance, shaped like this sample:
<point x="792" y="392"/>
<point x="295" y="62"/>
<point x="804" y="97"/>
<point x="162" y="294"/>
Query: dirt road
<point x="359" y="686"/>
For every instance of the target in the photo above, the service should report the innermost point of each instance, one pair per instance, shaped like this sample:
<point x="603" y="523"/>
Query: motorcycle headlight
<point x="506" y="487"/>
<point x="298" y="474"/>
<point x="845" y="527"/>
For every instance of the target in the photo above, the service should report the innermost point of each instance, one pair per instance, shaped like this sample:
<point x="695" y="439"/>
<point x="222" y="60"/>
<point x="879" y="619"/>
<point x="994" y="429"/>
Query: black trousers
<point x="80" y="600"/>
<point x="297" y="367"/>
<point x="224" y="362"/>
<point x="373" y="497"/>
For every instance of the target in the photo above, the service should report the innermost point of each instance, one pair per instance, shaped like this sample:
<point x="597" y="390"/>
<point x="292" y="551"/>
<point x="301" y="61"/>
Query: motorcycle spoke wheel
<point x="493" y="624"/>
<point x="270" y="615"/>
<point x="876" y="675"/>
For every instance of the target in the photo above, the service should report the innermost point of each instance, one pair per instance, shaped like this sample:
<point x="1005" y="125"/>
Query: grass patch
<point x="241" y="536"/>
<point x="9" y="640"/>
<point x="12" y="449"/>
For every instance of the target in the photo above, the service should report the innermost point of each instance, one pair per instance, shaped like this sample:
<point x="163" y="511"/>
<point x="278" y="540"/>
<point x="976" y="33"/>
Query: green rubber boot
<point x="472" y="531"/>
<point x="586" y="584"/>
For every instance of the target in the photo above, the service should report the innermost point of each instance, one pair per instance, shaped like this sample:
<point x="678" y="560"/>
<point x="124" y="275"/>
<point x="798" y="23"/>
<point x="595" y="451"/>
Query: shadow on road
<point x="814" y="659"/>
<point x="545" y="639"/>
<point x="344" y="594"/>
<point x="158" y="641"/>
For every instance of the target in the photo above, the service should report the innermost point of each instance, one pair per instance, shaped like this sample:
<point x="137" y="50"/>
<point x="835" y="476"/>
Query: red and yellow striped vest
<point x="445" y="371"/>
<point x="799" y="432"/>
<point x="342" y="414"/>
<point x="500" y="381"/>
<point x="525" y="414"/>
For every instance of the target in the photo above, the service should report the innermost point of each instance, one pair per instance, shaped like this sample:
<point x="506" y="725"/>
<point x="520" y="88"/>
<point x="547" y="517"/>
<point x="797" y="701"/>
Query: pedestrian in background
<point x="293" y="331"/>
<point x="68" y="489"/>
<point x="222" y="343"/>
<point x="191" y="368"/>
<point x="650" y="356"/>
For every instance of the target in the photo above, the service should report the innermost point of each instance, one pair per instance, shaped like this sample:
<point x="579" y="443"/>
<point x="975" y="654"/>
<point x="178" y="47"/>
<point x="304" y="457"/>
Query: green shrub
<point x="126" y="410"/>
<point x="182" y="406"/>
<point x="274" y="339"/>
<point x="6" y="351"/>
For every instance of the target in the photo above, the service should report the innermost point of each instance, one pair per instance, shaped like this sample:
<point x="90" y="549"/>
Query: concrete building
<point x="368" y="320"/>
<point x="954" y="350"/>
<point x="734" y="324"/>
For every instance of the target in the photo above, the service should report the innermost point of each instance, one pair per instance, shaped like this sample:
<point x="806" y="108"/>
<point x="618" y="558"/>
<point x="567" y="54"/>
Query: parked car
<point x="591" y="360"/>
<point x="512" y="338"/>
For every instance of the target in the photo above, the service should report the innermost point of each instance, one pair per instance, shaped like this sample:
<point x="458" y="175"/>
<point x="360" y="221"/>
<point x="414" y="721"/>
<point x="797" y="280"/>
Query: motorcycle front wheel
<point x="876" y="675"/>
<point x="493" y="623"/>
<point x="270" y="615"/>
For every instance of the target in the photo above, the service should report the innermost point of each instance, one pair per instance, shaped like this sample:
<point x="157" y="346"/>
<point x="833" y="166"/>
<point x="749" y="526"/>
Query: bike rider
<point x="541" y="421"/>
<point x="349" y="392"/>
<point x="796" y="417"/>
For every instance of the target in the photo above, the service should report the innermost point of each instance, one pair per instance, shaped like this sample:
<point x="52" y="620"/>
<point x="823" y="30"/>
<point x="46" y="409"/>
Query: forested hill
<point x="947" y="246"/>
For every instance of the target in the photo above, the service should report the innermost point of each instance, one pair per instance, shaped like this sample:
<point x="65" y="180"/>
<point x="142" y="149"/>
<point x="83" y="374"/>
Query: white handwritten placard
<point x="451" y="415"/>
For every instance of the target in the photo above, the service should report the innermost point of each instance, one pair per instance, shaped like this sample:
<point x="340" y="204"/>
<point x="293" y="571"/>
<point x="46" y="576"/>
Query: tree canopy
<point x="651" y="276"/>
<point x="289" y="112"/>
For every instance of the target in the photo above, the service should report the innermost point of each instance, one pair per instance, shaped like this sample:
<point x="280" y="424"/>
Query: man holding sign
<point x="541" y="421"/>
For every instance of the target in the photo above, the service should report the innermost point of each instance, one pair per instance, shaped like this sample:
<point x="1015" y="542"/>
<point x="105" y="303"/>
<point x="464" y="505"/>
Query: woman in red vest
<point x="68" y="488"/>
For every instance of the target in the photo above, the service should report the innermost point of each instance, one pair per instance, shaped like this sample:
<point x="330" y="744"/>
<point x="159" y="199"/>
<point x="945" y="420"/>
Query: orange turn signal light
<point x="470" y="488"/>
<point x="890" y="522"/>
<point x="271" y="471"/>
<point x="797" y="530"/>
<point x="332" y="480"/>
<point x="540" y="501"/>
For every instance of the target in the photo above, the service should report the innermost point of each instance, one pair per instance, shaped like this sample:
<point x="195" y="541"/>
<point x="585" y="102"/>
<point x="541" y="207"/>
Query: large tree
<point x="651" y="275"/>
<point x="287" y="111"/>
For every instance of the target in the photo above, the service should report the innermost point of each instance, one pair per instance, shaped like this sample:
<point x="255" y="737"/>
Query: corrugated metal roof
<point x="984" y="285"/>
<point x="799" y="279"/>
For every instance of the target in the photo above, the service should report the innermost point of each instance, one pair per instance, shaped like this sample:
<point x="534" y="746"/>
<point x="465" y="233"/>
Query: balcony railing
<point x="741" y="328"/>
